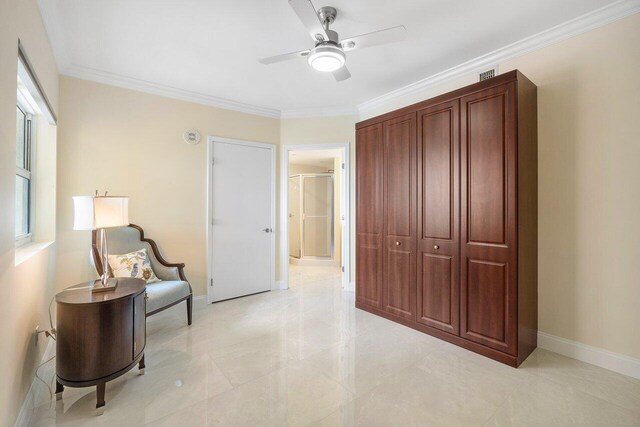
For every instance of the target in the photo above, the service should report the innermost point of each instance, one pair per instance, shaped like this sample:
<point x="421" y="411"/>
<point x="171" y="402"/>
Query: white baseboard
<point x="585" y="353"/>
<point x="26" y="410"/>
<point x="279" y="285"/>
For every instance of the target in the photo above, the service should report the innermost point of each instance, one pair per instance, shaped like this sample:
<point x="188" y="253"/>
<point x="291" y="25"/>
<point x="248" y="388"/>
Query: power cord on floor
<point x="41" y="379"/>
<point x="52" y="330"/>
<point x="51" y="333"/>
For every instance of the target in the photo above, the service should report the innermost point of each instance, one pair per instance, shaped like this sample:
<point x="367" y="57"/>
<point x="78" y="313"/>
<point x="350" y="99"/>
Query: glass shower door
<point x="317" y="216"/>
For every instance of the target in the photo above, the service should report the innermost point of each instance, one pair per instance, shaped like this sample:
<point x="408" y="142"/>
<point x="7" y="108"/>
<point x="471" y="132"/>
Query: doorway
<point x="315" y="204"/>
<point x="241" y="218"/>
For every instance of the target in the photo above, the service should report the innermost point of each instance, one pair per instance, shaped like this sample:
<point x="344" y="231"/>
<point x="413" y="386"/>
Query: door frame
<point x="345" y="200"/>
<point x="272" y="223"/>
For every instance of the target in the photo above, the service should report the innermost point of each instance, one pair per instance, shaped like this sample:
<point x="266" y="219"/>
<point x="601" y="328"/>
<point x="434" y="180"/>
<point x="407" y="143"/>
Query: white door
<point x="242" y="255"/>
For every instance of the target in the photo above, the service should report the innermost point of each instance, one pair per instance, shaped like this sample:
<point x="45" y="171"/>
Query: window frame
<point x="32" y="99"/>
<point x="28" y="171"/>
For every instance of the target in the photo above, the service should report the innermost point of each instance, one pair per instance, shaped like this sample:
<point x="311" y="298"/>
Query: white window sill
<point x="23" y="253"/>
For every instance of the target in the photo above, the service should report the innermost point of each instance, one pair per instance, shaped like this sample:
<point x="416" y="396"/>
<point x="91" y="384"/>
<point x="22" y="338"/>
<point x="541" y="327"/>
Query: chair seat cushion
<point x="165" y="293"/>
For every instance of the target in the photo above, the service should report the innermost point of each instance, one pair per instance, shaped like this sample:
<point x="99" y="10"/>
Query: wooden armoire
<point x="446" y="217"/>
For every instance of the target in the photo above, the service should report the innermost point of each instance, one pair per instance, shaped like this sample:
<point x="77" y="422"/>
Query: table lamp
<point x="99" y="213"/>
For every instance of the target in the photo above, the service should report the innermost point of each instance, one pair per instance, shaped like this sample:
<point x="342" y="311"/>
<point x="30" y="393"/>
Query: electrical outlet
<point x="37" y="332"/>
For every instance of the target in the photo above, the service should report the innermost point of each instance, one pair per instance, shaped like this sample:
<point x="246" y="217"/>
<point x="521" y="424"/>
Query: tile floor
<point x="306" y="356"/>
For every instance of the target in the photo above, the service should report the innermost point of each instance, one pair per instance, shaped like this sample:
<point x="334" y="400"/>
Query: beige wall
<point x="28" y="288"/>
<point x="588" y="188"/>
<point x="45" y="180"/>
<point x="130" y="143"/>
<point x="589" y="197"/>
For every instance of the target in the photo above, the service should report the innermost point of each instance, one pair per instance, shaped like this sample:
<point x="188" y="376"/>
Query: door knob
<point x="436" y="247"/>
<point x="267" y="230"/>
<point x="397" y="243"/>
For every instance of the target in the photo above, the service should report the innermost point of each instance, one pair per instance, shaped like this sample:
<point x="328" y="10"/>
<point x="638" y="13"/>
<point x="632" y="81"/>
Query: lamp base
<point x="111" y="285"/>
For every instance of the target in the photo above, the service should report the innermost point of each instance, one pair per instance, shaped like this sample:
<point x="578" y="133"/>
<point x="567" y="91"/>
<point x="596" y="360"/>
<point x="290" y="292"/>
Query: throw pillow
<point x="135" y="264"/>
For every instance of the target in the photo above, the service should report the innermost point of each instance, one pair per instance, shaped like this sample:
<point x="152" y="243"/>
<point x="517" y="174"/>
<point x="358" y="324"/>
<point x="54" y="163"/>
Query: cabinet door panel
<point x="486" y="300"/>
<point x="438" y="213"/>
<point x="399" y="285"/>
<point x="486" y="169"/>
<point x="436" y="286"/>
<point x="438" y="139"/>
<point x="368" y="270"/>
<point x="399" y="188"/>
<point x="488" y="198"/>
<point x="369" y="215"/>
<point x="399" y="277"/>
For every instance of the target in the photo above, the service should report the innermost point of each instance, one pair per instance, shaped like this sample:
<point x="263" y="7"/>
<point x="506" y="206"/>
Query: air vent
<point x="486" y="75"/>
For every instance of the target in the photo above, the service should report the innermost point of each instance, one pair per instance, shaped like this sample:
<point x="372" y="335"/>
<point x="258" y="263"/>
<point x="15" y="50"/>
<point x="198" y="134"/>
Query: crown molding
<point x="319" y="112"/>
<point x="167" y="91"/>
<point x="579" y="25"/>
<point x="140" y="85"/>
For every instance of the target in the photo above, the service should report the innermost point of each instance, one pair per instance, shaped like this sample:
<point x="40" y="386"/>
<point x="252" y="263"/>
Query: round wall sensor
<point x="191" y="136"/>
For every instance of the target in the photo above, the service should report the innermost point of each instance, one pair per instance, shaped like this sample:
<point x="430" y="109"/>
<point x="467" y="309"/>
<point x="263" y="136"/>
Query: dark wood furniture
<point x="100" y="336"/>
<point x="446" y="217"/>
<point x="174" y="271"/>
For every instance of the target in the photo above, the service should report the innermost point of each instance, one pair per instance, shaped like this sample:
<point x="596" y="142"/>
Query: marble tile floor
<point x="306" y="356"/>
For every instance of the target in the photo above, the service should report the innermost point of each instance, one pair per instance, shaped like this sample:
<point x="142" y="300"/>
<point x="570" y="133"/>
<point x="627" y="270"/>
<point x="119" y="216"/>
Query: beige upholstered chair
<point x="173" y="287"/>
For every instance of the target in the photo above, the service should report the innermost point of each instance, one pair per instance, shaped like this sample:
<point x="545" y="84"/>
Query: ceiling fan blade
<point x="389" y="35"/>
<point x="309" y="17"/>
<point x="341" y="74"/>
<point x="284" y="57"/>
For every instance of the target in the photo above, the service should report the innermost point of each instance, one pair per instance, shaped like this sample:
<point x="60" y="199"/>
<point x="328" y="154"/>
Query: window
<point x="35" y="160"/>
<point x="24" y="190"/>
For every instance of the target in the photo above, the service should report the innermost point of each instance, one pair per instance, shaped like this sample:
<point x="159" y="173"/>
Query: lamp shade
<point x="92" y="213"/>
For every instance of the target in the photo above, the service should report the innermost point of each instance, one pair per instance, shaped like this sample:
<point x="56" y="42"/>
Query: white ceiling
<point x="211" y="48"/>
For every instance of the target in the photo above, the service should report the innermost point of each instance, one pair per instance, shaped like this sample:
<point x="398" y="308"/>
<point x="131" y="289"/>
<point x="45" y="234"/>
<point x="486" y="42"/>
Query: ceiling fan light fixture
<point x="326" y="58"/>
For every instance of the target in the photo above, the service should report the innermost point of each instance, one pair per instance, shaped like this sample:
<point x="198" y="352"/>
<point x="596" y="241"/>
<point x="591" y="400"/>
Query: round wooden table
<point x="100" y="336"/>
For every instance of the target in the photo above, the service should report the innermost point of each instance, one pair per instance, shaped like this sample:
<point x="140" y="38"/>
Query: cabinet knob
<point x="397" y="243"/>
<point x="436" y="247"/>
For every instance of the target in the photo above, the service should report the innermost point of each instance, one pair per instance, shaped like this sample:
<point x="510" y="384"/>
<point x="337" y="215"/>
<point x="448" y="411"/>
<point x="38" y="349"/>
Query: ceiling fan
<point x="329" y="55"/>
